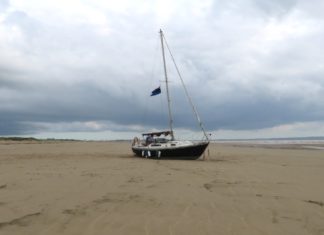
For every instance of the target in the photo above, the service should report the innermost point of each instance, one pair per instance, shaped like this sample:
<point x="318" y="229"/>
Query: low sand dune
<point x="100" y="188"/>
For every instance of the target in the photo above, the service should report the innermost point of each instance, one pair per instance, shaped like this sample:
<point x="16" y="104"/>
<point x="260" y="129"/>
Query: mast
<point x="167" y="86"/>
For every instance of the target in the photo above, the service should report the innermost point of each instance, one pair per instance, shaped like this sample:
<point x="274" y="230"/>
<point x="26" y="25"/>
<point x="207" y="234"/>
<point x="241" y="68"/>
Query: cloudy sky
<point x="85" y="69"/>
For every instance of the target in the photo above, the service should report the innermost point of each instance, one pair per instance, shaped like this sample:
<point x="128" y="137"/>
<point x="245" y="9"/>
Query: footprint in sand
<point x="24" y="220"/>
<point x="315" y="202"/>
<point x="216" y="183"/>
<point x="208" y="187"/>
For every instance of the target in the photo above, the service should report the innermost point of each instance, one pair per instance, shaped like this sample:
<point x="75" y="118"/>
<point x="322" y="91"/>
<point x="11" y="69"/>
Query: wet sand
<point x="100" y="188"/>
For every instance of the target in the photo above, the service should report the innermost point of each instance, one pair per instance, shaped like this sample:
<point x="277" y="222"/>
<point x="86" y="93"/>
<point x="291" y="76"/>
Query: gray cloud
<point x="277" y="7"/>
<point x="4" y="4"/>
<point x="247" y="66"/>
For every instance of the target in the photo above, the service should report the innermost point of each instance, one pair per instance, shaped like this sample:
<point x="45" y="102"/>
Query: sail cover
<point x="157" y="133"/>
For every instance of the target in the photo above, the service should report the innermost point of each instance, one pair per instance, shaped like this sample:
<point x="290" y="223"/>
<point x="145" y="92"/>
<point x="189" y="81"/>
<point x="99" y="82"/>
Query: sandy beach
<point x="53" y="187"/>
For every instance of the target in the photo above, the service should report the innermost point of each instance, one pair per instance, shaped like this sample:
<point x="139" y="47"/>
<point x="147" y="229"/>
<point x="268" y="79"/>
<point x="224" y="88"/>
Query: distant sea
<point x="293" y="140"/>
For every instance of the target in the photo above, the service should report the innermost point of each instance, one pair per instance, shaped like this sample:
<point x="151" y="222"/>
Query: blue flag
<point x="156" y="91"/>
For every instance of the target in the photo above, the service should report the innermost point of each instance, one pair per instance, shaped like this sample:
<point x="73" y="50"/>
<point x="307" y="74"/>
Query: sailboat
<point x="163" y="144"/>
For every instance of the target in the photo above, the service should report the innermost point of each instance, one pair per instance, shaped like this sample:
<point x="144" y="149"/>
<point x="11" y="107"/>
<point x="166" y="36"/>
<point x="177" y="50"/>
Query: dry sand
<point x="100" y="188"/>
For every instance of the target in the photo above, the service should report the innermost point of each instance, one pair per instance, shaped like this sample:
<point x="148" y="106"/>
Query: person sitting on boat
<point x="149" y="139"/>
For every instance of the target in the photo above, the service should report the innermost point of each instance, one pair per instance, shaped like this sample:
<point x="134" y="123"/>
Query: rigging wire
<point x="186" y="91"/>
